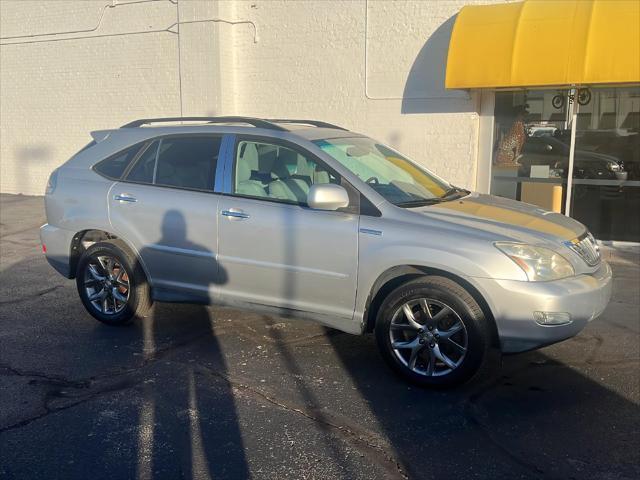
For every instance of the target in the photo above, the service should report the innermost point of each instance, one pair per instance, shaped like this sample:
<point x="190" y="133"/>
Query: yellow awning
<point x="545" y="43"/>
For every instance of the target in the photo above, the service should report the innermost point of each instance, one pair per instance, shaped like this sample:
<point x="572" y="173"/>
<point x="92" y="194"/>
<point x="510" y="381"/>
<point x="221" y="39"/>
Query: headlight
<point x="538" y="263"/>
<point x="614" y="167"/>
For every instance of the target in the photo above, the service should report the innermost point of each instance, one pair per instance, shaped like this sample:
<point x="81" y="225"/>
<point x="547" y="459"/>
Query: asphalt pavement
<point x="196" y="392"/>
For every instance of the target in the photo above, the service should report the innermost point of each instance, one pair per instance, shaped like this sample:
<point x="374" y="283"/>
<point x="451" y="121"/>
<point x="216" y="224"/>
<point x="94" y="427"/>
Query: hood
<point x="595" y="156"/>
<point x="507" y="218"/>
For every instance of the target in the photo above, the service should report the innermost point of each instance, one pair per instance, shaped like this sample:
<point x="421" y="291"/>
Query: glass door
<point x="605" y="191"/>
<point x="532" y="136"/>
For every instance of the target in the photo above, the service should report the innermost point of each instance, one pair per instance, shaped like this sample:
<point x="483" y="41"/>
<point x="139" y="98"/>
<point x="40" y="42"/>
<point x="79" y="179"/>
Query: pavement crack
<point x="472" y="417"/>
<point x="54" y="395"/>
<point x="90" y="389"/>
<point x="470" y="412"/>
<point x="93" y="387"/>
<point x="56" y="380"/>
<point x="39" y="293"/>
<point x="347" y="433"/>
<point x="154" y="357"/>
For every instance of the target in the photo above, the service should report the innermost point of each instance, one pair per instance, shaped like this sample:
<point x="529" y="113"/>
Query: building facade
<point x="366" y="65"/>
<point x="68" y="67"/>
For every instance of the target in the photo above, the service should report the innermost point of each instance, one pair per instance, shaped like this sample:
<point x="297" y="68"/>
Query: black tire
<point x="558" y="101"/>
<point x="139" y="300"/>
<point x="477" y="329"/>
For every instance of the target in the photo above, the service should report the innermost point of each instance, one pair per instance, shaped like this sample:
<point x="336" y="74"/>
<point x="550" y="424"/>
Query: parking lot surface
<point x="196" y="392"/>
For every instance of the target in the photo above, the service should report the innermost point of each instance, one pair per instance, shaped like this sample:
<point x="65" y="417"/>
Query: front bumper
<point x="513" y="304"/>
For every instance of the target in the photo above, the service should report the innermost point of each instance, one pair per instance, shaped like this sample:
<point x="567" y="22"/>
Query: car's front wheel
<point x="432" y="332"/>
<point x="112" y="284"/>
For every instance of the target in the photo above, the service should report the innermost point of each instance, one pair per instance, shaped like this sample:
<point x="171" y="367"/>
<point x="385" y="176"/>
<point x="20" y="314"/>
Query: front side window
<point x="275" y="172"/>
<point x="393" y="176"/>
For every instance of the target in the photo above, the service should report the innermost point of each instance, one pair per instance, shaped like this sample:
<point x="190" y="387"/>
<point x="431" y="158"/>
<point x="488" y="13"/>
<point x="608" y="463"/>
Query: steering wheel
<point x="373" y="180"/>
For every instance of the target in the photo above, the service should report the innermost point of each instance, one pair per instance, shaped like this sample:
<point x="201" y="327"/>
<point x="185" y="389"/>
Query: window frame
<point x="132" y="165"/>
<point x="147" y="143"/>
<point x="355" y="196"/>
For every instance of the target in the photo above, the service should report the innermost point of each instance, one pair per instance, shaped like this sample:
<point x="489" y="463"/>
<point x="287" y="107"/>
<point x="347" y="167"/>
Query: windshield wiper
<point x="459" y="192"/>
<point x="418" y="203"/>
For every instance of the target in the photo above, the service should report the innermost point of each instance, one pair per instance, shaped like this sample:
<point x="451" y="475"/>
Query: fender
<point x="393" y="277"/>
<point x="382" y="276"/>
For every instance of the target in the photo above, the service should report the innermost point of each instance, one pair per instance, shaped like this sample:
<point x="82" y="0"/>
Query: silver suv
<point x="306" y="219"/>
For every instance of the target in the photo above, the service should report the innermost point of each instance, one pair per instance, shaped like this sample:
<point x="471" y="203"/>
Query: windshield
<point x="396" y="178"/>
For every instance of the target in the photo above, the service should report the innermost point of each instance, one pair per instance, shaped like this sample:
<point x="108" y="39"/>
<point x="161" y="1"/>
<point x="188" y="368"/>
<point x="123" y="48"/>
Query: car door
<point x="166" y="208"/>
<point x="276" y="250"/>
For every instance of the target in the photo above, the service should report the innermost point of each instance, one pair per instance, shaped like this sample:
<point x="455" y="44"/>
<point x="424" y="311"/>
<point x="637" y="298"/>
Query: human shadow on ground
<point x="203" y="427"/>
<point x="143" y="409"/>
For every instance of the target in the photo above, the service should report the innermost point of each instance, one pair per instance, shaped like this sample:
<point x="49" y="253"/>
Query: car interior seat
<point x="309" y="172"/>
<point x="247" y="161"/>
<point x="190" y="173"/>
<point x="166" y="175"/>
<point x="266" y="159"/>
<point x="285" y="187"/>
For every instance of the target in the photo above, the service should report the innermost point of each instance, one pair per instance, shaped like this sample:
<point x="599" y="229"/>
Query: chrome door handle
<point x="125" y="197"/>
<point x="233" y="213"/>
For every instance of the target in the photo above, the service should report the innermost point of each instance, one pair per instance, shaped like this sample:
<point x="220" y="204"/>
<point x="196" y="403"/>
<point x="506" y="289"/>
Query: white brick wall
<point x="376" y="67"/>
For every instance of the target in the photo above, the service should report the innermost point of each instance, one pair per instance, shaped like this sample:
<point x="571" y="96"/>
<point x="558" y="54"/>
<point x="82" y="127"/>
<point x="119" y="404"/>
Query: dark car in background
<point x="625" y="146"/>
<point x="549" y="151"/>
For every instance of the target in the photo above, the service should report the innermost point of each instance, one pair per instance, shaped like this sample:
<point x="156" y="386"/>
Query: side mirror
<point x="327" y="196"/>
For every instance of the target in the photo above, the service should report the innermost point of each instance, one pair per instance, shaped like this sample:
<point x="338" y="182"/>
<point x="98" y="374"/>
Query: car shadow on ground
<point x="168" y="408"/>
<point x="531" y="417"/>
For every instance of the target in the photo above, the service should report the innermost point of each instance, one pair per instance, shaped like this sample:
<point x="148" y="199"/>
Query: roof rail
<point x="315" y="123"/>
<point x="256" y="122"/>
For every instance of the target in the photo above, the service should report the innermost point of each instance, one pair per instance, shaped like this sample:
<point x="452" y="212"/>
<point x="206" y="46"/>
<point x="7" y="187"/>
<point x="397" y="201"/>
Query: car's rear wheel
<point x="112" y="284"/>
<point x="432" y="332"/>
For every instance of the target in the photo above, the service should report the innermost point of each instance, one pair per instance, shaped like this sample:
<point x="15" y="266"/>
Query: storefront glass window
<point x="531" y="151"/>
<point x="531" y="155"/>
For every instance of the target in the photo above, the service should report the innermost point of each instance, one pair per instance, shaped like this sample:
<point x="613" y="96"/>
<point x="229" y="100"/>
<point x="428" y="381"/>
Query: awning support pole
<point x="573" y="105"/>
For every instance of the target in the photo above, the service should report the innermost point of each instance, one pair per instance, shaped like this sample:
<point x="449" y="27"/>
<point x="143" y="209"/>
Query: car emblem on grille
<point x="586" y="247"/>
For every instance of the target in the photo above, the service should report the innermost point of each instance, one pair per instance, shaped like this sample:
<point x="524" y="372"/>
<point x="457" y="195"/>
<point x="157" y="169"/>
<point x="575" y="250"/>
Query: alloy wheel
<point x="428" y="337"/>
<point x="106" y="284"/>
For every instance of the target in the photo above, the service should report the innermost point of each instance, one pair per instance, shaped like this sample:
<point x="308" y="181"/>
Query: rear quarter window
<point x="113" y="167"/>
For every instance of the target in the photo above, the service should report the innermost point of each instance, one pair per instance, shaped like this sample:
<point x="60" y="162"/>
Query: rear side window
<point x="115" y="166"/>
<point x="188" y="162"/>
<point x="142" y="171"/>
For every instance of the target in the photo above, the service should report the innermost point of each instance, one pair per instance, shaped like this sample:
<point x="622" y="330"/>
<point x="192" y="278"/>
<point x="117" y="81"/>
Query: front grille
<point x="587" y="248"/>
